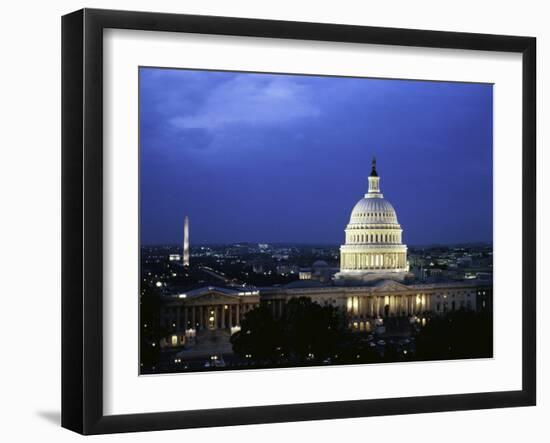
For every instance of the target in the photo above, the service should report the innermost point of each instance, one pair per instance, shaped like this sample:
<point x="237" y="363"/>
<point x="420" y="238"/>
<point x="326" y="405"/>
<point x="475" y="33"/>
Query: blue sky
<point x="284" y="158"/>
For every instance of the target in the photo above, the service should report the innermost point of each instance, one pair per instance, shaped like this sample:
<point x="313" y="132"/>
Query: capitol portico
<point x="373" y="246"/>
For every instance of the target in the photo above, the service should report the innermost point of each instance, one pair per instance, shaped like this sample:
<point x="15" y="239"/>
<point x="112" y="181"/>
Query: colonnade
<point x="392" y="237"/>
<point x="214" y="316"/>
<point x="375" y="305"/>
<point x="365" y="260"/>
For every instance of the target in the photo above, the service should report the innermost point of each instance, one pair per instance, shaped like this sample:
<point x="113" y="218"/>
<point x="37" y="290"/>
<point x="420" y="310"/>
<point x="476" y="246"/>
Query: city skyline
<point x="282" y="243"/>
<point x="282" y="158"/>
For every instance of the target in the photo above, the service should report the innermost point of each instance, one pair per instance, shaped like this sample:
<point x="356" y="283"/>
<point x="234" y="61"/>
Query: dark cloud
<point x="284" y="158"/>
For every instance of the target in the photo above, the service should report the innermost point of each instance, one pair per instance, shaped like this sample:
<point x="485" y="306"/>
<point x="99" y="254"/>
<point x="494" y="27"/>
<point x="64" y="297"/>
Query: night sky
<point x="284" y="158"/>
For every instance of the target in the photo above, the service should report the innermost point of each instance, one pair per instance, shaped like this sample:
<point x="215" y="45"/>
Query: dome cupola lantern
<point x="374" y="181"/>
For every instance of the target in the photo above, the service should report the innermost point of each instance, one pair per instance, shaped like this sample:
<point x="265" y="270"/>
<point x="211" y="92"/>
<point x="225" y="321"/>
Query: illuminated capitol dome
<point x="373" y="248"/>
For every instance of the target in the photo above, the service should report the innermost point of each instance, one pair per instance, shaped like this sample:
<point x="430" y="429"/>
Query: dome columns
<point x="375" y="236"/>
<point x="373" y="261"/>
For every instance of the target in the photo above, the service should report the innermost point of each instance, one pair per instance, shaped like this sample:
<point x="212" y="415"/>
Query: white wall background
<point x="30" y="217"/>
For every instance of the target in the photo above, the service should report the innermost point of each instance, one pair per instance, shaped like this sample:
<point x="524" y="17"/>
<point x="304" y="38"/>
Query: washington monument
<point x="186" y="241"/>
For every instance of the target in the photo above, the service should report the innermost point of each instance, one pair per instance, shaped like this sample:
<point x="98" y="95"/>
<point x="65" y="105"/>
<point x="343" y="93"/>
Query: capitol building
<point x="373" y="283"/>
<point x="373" y="249"/>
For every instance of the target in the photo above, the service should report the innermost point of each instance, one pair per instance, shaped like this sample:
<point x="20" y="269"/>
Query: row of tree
<point x="308" y="332"/>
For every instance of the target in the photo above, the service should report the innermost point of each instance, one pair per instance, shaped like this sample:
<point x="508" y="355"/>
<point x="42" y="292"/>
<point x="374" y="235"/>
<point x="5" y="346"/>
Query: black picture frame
<point x="82" y="215"/>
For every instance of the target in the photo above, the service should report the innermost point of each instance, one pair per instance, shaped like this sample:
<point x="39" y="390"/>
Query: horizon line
<point x="178" y="243"/>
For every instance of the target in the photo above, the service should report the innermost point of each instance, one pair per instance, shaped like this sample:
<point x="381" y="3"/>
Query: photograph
<point x="292" y="220"/>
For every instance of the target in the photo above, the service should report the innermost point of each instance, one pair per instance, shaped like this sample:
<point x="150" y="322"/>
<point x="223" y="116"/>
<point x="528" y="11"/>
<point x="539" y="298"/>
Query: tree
<point x="459" y="334"/>
<point x="306" y="331"/>
<point x="151" y="330"/>
<point x="259" y="337"/>
<point x="311" y="331"/>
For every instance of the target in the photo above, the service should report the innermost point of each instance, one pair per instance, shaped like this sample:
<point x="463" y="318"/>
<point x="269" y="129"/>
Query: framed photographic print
<point x="269" y="221"/>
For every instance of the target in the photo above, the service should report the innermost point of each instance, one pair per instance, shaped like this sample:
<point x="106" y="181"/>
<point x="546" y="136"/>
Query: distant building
<point x="464" y="261"/>
<point x="258" y="268"/>
<point x="204" y="318"/>
<point x="284" y="269"/>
